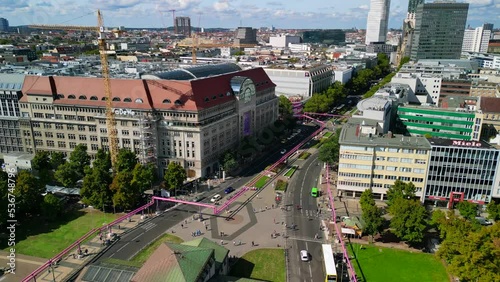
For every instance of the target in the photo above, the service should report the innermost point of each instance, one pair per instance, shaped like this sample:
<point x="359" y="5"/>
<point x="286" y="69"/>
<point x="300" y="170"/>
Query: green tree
<point x="57" y="159"/>
<point x="51" y="207"/>
<point x="400" y="190"/>
<point x="318" y="103"/>
<point x="41" y="161"/>
<point x="409" y="220"/>
<point x="102" y="160"/>
<point x="371" y="214"/>
<point x="329" y="151"/>
<point x="126" y="160"/>
<point x="467" y="209"/>
<point x="285" y="107"/>
<point x="493" y="210"/>
<point x="126" y="194"/>
<point x="143" y="176"/>
<point x="28" y="193"/>
<point x="96" y="189"/>
<point x="229" y="161"/>
<point x="67" y="174"/>
<point x="79" y="159"/>
<point x="472" y="254"/>
<point x="174" y="176"/>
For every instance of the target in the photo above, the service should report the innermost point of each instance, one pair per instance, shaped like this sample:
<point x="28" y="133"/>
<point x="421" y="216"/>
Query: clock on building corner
<point x="247" y="91"/>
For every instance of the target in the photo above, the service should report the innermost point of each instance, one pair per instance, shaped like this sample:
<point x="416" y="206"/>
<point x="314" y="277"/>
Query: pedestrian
<point x="234" y="243"/>
<point x="182" y="226"/>
<point x="272" y="206"/>
<point x="266" y="208"/>
<point x="119" y="227"/>
<point x="185" y="221"/>
<point x="206" y="227"/>
<point x="253" y="244"/>
<point x="222" y="242"/>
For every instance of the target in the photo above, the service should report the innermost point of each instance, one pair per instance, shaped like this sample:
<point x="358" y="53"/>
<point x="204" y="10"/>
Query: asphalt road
<point x="307" y="224"/>
<point x="135" y="240"/>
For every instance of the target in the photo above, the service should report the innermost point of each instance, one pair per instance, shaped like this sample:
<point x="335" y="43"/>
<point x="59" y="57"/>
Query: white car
<point x="215" y="198"/>
<point x="283" y="151"/>
<point x="304" y="255"/>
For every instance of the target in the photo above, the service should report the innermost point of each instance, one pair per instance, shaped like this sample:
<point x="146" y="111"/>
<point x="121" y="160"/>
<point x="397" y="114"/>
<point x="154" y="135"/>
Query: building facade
<point x="283" y="41"/>
<point x="377" y="21"/>
<point x="425" y="87"/>
<point x="301" y="82"/>
<point x="369" y="160"/>
<point x="476" y="40"/>
<point x="439" y="30"/>
<point x="10" y="93"/>
<point x="245" y="35"/>
<point x="461" y="170"/>
<point x="183" y="26"/>
<point x="189" y="116"/>
<point x="4" y="25"/>
<point x="459" y="123"/>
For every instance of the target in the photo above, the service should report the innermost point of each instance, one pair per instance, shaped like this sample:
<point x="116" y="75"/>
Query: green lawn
<point x="261" y="182"/>
<point x="328" y="134"/>
<point x="265" y="264"/>
<point x="304" y="155"/>
<point x="291" y="171"/>
<point x="376" y="264"/>
<point x="46" y="239"/>
<point x="145" y="253"/>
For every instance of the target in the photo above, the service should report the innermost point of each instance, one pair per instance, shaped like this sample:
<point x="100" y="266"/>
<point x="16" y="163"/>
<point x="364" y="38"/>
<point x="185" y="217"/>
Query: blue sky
<point x="221" y="13"/>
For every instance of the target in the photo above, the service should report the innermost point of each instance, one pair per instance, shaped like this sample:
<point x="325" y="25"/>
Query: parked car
<point x="304" y="255"/>
<point x="228" y="190"/>
<point x="215" y="198"/>
<point x="483" y="221"/>
<point x="283" y="151"/>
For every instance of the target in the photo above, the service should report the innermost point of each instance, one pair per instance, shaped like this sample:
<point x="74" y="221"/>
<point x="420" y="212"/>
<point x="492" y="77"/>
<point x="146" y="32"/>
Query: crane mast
<point x="110" y="115"/>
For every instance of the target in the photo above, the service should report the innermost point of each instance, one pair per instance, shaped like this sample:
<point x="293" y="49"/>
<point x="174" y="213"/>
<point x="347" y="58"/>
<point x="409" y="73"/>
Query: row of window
<point x="383" y="149"/>
<point x="94" y="98"/>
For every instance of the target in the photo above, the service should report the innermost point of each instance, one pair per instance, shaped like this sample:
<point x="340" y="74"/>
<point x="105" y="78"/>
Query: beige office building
<point x="368" y="159"/>
<point x="188" y="116"/>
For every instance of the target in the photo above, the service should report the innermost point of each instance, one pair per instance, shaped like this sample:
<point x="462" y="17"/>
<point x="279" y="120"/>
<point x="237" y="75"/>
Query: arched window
<point x="207" y="99"/>
<point x="104" y="98"/>
<point x="116" y="99"/>
<point x="60" y="96"/>
<point x="82" y="97"/>
<point x="166" y="101"/>
<point x="93" y="98"/>
<point x="178" y="102"/>
<point x="71" y="97"/>
<point x="214" y="97"/>
<point x="127" y="100"/>
<point x="139" y="100"/>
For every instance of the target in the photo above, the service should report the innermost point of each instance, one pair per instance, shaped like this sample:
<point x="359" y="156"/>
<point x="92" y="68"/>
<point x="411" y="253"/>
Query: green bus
<point x="314" y="192"/>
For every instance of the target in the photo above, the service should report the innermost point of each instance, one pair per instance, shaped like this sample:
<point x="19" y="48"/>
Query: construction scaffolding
<point x="147" y="143"/>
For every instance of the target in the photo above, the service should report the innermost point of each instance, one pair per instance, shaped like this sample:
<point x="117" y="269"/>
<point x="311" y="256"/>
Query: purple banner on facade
<point x="247" y="122"/>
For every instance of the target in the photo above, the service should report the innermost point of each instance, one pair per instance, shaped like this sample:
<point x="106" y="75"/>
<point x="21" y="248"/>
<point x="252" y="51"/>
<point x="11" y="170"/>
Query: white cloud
<point x="480" y="2"/>
<point x="363" y="7"/>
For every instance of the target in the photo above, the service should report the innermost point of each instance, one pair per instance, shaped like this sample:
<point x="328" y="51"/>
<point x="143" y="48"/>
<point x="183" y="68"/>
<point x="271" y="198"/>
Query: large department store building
<point x="189" y="116"/>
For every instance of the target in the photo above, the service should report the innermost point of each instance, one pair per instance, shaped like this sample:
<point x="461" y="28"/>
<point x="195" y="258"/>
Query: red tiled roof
<point x="490" y="104"/>
<point x="191" y="93"/>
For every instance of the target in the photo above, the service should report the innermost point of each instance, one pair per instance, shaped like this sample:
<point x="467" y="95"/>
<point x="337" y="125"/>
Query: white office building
<point x="378" y="19"/>
<point x="283" y="40"/>
<point x="476" y="40"/>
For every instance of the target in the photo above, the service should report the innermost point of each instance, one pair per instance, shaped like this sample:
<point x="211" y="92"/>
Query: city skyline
<point x="292" y="14"/>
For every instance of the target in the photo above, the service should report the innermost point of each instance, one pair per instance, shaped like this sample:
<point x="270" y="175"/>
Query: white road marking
<point x="121" y="248"/>
<point x="303" y="181"/>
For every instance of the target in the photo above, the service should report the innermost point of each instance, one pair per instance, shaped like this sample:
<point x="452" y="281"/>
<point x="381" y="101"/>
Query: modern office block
<point x="377" y="22"/>
<point x="439" y="30"/>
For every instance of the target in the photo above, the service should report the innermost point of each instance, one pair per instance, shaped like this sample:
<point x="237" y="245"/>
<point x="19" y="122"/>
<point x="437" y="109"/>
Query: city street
<point x="304" y="223"/>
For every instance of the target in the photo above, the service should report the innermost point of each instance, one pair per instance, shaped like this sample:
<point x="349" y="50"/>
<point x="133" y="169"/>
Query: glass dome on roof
<point x="195" y="72"/>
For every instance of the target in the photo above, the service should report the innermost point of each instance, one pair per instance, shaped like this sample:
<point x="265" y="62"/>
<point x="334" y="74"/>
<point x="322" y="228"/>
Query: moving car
<point x="283" y="151"/>
<point x="304" y="255"/>
<point x="229" y="190"/>
<point x="215" y="198"/>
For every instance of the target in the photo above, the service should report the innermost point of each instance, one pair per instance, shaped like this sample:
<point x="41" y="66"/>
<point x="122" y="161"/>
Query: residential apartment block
<point x="189" y="116"/>
<point x="458" y="123"/>
<point x="369" y="160"/>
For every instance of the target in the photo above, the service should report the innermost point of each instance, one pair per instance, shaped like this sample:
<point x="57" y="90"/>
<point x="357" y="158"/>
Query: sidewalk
<point x="68" y="264"/>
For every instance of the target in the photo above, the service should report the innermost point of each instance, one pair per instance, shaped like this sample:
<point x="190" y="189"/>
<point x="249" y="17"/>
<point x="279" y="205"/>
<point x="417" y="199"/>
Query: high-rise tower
<point x="377" y="22"/>
<point x="439" y="30"/>
<point x="183" y="26"/>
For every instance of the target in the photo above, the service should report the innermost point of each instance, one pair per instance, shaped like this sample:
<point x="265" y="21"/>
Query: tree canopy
<point x="371" y="214"/>
<point x="329" y="151"/>
<point x="285" y="107"/>
<point x="493" y="210"/>
<point x="126" y="160"/>
<point x="402" y="190"/>
<point x="28" y="193"/>
<point x="467" y="209"/>
<point x="409" y="220"/>
<point x="174" y="177"/>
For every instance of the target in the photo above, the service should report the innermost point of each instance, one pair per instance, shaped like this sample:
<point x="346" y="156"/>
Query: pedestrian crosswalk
<point x="148" y="226"/>
<point x="312" y="213"/>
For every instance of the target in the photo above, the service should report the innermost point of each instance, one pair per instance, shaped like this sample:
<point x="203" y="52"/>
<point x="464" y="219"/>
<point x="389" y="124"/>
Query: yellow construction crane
<point x="110" y="115"/>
